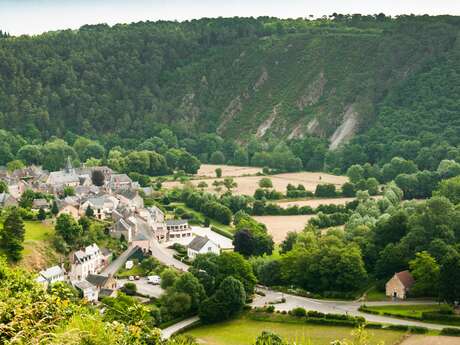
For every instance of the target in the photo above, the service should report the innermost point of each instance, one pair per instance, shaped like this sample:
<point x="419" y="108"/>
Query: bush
<point x="299" y="312"/>
<point x="130" y="289"/>
<point x="433" y="316"/>
<point x="418" y="330"/>
<point x="398" y="328"/>
<point x="270" y="309"/>
<point x="451" y="331"/>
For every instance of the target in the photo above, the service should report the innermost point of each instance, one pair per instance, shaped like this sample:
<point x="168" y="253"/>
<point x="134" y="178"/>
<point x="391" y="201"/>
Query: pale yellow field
<point x="279" y="226"/>
<point x="209" y="170"/>
<point x="313" y="203"/>
<point x="247" y="185"/>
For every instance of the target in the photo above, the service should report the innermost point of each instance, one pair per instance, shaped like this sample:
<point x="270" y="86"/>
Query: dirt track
<point x="429" y="340"/>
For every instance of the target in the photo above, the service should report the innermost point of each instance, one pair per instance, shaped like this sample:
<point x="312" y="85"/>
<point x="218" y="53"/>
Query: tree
<point x="450" y="189"/>
<point x="3" y="187"/>
<point x="229" y="298"/>
<point x="355" y="173"/>
<point x="265" y="182"/>
<point x="449" y="282"/>
<point x="233" y="264"/>
<point x="217" y="157"/>
<point x="175" y="304"/>
<point x="168" y="277"/>
<point x="12" y="235"/>
<point x="189" y="284"/>
<point x="54" y="208"/>
<point x="27" y="199"/>
<point x="348" y="190"/>
<point x="243" y="242"/>
<point x="425" y="271"/>
<point x="190" y="164"/>
<point x="130" y="289"/>
<point x="69" y="191"/>
<point x="41" y="214"/>
<point x="97" y="177"/>
<point x="289" y="241"/>
<point x="68" y="229"/>
<point x="229" y="183"/>
<point x="325" y="190"/>
<point x="15" y="165"/>
<point x="218" y="172"/>
<point x="89" y="212"/>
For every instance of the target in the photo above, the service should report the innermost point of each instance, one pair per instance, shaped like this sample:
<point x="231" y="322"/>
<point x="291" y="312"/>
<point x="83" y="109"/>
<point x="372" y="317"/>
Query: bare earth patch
<point x="209" y="170"/>
<point x="431" y="340"/>
<point x="279" y="226"/>
<point x="247" y="185"/>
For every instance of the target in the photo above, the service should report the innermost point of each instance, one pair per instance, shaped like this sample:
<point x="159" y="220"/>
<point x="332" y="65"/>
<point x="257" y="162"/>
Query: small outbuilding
<point x="399" y="285"/>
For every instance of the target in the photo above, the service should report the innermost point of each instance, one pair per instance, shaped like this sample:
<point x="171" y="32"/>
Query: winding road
<point x="337" y="307"/>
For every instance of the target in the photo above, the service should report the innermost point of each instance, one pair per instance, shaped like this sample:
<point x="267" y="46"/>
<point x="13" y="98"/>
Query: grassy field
<point x="415" y="310"/>
<point x="38" y="252"/>
<point x="374" y="294"/>
<point x="244" y="331"/>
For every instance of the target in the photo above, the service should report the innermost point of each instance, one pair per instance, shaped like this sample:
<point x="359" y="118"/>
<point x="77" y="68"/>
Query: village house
<point x="88" y="291"/>
<point x="85" y="262"/>
<point x="38" y="204"/>
<point x="7" y="200"/>
<point x="399" y="285"/>
<point x="102" y="282"/>
<point x="178" y="228"/>
<point x="51" y="275"/>
<point x="119" y="182"/>
<point x="69" y="209"/>
<point x="201" y="245"/>
<point x="102" y="205"/>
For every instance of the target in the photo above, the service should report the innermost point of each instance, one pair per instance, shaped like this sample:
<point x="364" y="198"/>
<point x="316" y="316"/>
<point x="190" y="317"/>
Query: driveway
<point x="336" y="307"/>
<point x="116" y="264"/>
<point x="143" y="287"/>
<point x="166" y="257"/>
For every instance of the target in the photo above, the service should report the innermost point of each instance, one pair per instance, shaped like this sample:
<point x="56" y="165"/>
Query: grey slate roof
<point x="97" y="279"/>
<point x="198" y="243"/>
<point x="176" y="222"/>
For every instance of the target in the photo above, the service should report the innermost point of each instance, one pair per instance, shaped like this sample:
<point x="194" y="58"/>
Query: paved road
<point x="171" y="330"/>
<point x="337" y="307"/>
<point x="116" y="264"/>
<point x="143" y="287"/>
<point x="165" y="257"/>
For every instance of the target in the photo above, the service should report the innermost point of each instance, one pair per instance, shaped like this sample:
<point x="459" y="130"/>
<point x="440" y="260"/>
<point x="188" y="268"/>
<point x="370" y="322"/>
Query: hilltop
<point x="374" y="79"/>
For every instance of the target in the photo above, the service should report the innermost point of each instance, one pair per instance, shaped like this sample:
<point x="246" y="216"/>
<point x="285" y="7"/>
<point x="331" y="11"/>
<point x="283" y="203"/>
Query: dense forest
<point x="265" y="91"/>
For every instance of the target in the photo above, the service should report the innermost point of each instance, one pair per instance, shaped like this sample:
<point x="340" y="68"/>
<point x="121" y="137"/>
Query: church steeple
<point x="68" y="167"/>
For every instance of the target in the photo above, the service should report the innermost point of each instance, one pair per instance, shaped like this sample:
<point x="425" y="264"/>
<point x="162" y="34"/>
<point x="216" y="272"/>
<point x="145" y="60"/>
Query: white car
<point x="131" y="278"/>
<point x="155" y="280"/>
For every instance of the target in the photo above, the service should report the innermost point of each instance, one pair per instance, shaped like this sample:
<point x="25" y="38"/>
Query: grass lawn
<point x="415" y="310"/>
<point x="375" y="295"/>
<point x="35" y="232"/>
<point x="135" y="271"/>
<point x="38" y="250"/>
<point x="201" y="218"/>
<point x="243" y="331"/>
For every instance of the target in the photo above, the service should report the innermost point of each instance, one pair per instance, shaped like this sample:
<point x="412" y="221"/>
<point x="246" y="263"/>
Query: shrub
<point x="418" y="329"/>
<point x="398" y="328"/>
<point x="451" y="331"/>
<point x="270" y="309"/>
<point x="299" y="312"/>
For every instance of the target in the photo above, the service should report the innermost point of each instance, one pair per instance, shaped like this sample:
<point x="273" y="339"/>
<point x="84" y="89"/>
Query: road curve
<point x="166" y="258"/>
<point x="337" y="307"/>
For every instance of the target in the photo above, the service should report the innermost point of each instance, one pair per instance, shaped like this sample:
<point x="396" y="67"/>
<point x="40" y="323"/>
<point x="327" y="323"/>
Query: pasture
<point x="244" y="332"/>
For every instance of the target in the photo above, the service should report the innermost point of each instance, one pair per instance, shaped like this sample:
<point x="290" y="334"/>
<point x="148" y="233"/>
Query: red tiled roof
<point x="405" y="278"/>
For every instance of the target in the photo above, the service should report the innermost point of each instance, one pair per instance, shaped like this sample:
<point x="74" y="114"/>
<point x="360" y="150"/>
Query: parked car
<point x="137" y="277"/>
<point x="154" y="280"/>
<point x="131" y="278"/>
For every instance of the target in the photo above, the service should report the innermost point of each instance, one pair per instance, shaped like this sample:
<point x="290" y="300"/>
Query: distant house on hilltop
<point x="399" y="285"/>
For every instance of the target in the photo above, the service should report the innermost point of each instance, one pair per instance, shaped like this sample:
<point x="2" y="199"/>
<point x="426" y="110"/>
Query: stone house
<point x="88" y="291"/>
<point x="399" y="285"/>
<point x="102" y="282"/>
